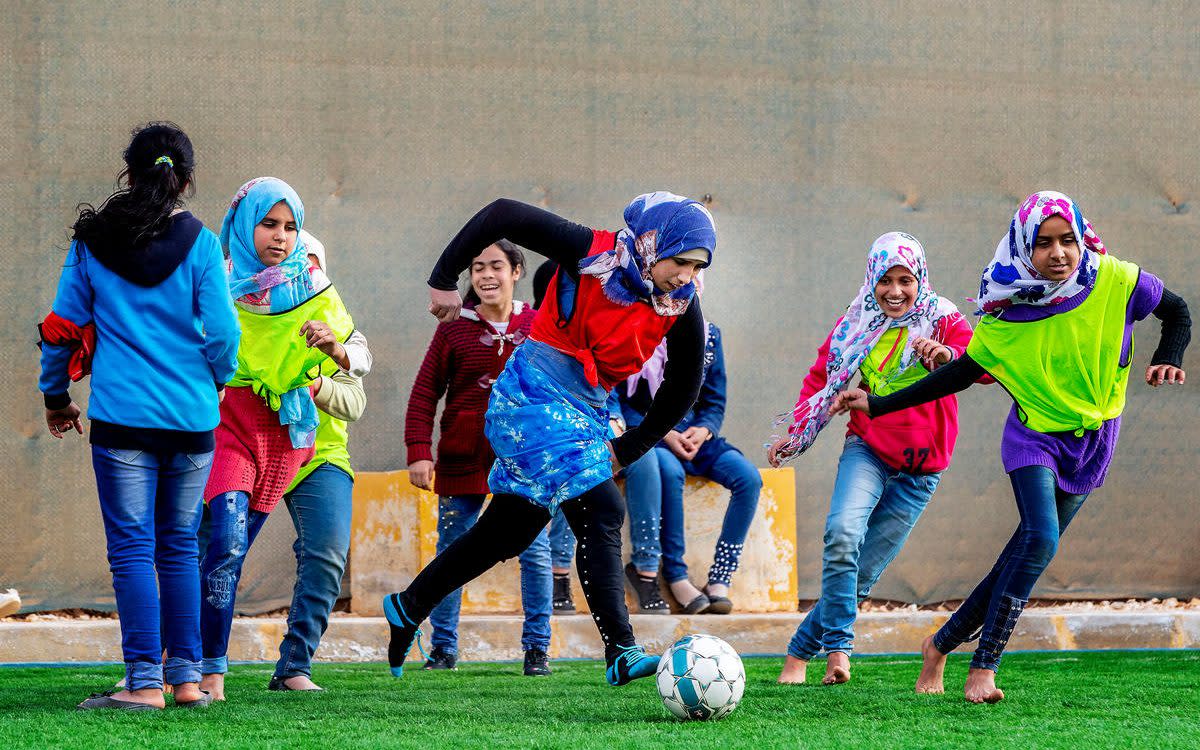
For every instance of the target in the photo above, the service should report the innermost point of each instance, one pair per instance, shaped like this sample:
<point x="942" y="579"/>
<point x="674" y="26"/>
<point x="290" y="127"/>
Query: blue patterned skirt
<point x="548" y="428"/>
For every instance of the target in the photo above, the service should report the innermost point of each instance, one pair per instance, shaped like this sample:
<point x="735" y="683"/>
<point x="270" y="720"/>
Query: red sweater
<point x="462" y="367"/>
<point x="919" y="440"/>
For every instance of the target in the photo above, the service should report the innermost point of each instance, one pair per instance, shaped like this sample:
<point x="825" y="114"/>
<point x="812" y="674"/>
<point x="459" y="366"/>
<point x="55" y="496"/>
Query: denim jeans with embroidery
<point x="229" y="528"/>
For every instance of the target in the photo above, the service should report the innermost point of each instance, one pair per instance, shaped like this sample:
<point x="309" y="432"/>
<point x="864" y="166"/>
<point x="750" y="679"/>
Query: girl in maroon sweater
<point x="464" y="359"/>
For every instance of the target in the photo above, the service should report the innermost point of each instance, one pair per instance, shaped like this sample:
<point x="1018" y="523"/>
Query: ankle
<point x="717" y="589"/>
<point x="684" y="591"/>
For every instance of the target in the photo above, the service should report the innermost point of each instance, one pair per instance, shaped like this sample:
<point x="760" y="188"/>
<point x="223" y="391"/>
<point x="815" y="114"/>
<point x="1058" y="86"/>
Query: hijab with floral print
<point x="1011" y="279"/>
<point x="861" y="328"/>
<point x="658" y="225"/>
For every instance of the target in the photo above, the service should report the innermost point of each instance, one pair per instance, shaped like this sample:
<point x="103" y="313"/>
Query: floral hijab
<point x="658" y="225"/>
<point x="861" y="328"/>
<point x="1010" y="279"/>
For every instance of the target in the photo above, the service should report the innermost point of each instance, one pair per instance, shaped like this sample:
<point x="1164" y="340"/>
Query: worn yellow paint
<point x="394" y="535"/>
<point x="1066" y="638"/>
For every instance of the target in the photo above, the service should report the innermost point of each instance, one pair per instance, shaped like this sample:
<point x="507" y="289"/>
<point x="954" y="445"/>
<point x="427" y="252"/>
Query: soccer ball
<point x="701" y="677"/>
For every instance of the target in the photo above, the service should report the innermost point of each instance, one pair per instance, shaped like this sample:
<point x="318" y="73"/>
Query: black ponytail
<point x="516" y="259"/>
<point x="158" y="169"/>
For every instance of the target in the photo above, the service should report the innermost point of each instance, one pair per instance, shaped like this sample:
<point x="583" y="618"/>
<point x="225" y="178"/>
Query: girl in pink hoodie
<point x="894" y="333"/>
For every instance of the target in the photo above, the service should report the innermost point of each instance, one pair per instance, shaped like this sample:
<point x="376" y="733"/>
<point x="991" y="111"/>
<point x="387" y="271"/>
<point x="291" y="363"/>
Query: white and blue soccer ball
<point x="701" y="677"/>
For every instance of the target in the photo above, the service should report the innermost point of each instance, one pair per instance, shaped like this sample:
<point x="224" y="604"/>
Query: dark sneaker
<point x="440" y="658"/>
<point x="629" y="664"/>
<point x="403" y="632"/>
<point x="537" y="663"/>
<point x="561" y="602"/>
<point x="650" y="601"/>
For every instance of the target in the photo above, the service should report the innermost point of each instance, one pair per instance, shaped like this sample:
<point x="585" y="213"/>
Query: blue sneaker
<point x="404" y="632"/>
<point x="630" y="664"/>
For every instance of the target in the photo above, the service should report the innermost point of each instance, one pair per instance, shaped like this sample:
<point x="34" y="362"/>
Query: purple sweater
<point x="1080" y="463"/>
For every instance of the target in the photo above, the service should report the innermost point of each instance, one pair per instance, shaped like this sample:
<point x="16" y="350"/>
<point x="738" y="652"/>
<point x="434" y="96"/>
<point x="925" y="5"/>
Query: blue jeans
<point x="229" y="528"/>
<point x="873" y="509"/>
<point x="458" y="513"/>
<point x="990" y="613"/>
<point x="643" y="499"/>
<point x="321" y="508"/>
<point x="151" y="509"/>
<point x="731" y="470"/>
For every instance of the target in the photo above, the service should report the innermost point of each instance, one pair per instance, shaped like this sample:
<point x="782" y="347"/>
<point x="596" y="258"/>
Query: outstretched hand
<point x="1156" y="375"/>
<point x="775" y="455"/>
<point x="854" y="399"/>
<point x="445" y="304"/>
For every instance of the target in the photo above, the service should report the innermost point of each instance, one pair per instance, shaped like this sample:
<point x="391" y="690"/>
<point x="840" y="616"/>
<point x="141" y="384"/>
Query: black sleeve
<point x="529" y="226"/>
<point x="944" y="381"/>
<point x="1176" y="330"/>
<point x="681" y="384"/>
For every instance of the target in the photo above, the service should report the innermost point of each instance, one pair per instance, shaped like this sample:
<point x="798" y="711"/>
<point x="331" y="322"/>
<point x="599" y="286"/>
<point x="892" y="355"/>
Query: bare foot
<point x="837" y="668"/>
<point x="214" y="684"/>
<point x="794" y="671"/>
<point x="981" y="687"/>
<point x="933" y="664"/>
<point x="186" y="692"/>
<point x="149" y="696"/>
<point x="301" y="682"/>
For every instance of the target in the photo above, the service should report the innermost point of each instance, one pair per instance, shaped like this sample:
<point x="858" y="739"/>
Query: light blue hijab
<point x="271" y="289"/>
<point x="284" y="286"/>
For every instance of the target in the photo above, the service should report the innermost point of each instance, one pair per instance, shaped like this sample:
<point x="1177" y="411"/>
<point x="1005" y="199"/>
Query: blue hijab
<point x="658" y="225"/>
<point x="269" y="288"/>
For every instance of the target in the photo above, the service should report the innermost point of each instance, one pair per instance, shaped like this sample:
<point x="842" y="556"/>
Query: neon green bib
<point x="273" y="357"/>
<point x="332" y="445"/>
<point x="881" y="369"/>
<point x="1065" y="371"/>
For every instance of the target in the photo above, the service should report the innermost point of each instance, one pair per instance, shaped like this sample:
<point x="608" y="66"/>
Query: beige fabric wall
<point x="815" y="127"/>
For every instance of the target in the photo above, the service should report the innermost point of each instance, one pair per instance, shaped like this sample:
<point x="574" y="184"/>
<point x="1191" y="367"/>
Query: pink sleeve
<point x="817" y="375"/>
<point x="955" y="332"/>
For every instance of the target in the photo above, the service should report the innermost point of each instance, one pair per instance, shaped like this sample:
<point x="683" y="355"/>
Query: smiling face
<point x="896" y="291"/>
<point x="1055" y="251"/>
<point x="672" y="273"/>
<point x="275" y="236"/>
<point x="493" y="277"/>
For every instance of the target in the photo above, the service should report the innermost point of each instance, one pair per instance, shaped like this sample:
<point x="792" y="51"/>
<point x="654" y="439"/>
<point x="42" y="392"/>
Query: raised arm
<point x="680" y="387"/>
<point x="944" y="381"/>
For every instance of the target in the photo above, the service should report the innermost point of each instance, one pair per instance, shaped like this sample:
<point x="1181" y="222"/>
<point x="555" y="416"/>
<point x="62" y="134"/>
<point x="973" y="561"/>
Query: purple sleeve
<point x="1146" y="296"/>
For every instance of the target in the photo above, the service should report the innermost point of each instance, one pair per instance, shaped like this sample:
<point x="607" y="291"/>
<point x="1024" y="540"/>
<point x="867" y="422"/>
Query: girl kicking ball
<point x="616" y="296"/>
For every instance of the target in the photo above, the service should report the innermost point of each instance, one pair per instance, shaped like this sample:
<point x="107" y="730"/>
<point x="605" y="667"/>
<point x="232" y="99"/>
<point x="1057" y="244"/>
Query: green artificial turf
<point x="1076" y="700"/>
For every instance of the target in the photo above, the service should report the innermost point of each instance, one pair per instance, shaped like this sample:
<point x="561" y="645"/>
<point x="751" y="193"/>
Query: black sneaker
<point x="537" y="663"/>
<point x="439" y="658"/>
<point x="561" y="602"/>
<point x="650" y="601"/>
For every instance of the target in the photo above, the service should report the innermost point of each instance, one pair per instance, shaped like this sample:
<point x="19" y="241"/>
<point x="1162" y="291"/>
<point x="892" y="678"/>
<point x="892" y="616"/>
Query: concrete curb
<point x="497" y="637"/>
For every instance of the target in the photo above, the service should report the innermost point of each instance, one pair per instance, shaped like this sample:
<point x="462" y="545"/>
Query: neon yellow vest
<point x="1065" y="371"/>
<point x="332" y="444"/>
<point x="273" y="357"/>
<point x="884" y="378"/>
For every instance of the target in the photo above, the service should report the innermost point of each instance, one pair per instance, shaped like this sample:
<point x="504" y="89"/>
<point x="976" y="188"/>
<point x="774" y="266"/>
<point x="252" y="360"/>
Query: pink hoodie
<point x="919" y="440"/>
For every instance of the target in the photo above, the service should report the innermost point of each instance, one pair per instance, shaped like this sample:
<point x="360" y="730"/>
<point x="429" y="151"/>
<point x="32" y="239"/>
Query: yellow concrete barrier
<point x="395" y="535"/>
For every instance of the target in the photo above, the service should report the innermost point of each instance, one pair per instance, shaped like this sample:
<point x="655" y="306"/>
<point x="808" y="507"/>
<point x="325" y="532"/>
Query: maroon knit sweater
<point x="461" y="366"/>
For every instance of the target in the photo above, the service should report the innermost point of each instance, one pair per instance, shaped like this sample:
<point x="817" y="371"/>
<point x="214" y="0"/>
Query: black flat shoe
<point x="718" y="605"/>
<point x="697" y="606"/>
<point x="280" y="684"/>
<point x="650" y="601"/>
<point x="439" y="659"/>
<point x="561" y="602"/>
<point x="105" y="700"/>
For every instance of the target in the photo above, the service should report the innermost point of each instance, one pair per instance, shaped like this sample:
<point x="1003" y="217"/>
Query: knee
<point x="220" y="586"/>
<point x="670" y="468"/>
<point x="841" y="543"/>
<point x="746" y="480"/>
<point x="1040" y="546"/>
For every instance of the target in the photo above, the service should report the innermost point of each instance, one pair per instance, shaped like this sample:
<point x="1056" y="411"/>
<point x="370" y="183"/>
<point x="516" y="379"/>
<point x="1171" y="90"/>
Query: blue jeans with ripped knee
<point x="230" y="527"/>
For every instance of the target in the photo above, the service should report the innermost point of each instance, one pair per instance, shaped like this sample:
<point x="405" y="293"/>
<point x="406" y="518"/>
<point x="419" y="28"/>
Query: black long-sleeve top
<point x="962" y="372"/>
<point x="566" y="243"/>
